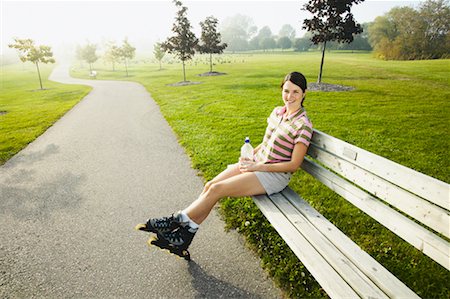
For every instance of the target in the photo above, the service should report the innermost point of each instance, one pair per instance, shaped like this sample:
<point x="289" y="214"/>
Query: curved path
<point x="70" y="200"/>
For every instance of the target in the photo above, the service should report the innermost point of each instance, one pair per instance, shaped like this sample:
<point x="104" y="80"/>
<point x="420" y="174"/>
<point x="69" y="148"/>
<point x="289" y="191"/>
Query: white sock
<point x="185" y="218"/>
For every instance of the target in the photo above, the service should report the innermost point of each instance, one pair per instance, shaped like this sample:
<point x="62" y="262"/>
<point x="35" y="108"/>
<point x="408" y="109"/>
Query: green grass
<point x="26" y="110"/>
<point x="399" y="110"/>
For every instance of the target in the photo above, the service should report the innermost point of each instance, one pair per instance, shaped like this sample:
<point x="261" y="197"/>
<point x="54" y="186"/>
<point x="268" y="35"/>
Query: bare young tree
<point x="28" y="51"/>
<point x="159" y="53"/>
<point x="127" y="52"/>
<point x="210" y="39"/>
<point x="183" y="43"/>
<point x="331" y="21"/>
<point x="112" y="54"/>
<point x="88" y="54"/>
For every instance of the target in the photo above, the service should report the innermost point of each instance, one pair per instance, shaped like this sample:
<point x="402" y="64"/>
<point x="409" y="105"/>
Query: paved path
<point x="70" y="200"/>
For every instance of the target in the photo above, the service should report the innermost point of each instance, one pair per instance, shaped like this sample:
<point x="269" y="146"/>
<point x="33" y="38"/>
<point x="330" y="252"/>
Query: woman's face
<point x="292" y="95"/>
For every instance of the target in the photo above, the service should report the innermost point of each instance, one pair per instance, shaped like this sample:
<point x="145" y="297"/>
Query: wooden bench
<point x="380" y="188"/>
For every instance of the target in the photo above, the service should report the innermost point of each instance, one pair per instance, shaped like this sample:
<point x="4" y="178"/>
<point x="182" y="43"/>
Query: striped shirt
<point x="282" y="134"/>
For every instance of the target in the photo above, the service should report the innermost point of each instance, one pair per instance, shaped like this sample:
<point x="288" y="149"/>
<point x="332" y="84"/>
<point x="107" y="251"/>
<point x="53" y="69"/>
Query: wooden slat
<point x="430" y="244"/>
<point x="385" y="280"/>
<point x="325" y="275"/>
<point x="346" y="269"/>
<point x="418" y="183"/>
<point x="429" y="214"/>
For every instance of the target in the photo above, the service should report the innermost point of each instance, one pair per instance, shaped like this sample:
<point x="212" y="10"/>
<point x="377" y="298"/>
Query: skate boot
<point x="161" y="225"/>
<point x="177" y="241"/>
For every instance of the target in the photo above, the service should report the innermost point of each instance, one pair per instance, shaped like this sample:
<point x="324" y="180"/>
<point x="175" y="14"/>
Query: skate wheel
<point x="140" y="226"/>
<point x="152" y="241"/>
<point x="186" y="255"/>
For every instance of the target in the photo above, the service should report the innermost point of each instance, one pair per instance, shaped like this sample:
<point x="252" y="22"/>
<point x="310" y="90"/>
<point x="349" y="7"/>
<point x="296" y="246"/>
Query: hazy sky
<point x="57" y="23"/>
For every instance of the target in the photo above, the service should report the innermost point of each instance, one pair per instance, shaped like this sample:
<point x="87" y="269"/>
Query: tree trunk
<point x="184" y="73"/>
<point x="160" y="68"/>
<point x="210" y="62"/>
<point x="319" y="79"/>
<point x="90" y="67"/>
<point x="126" y="67"/>
<point x="39" y="74"/>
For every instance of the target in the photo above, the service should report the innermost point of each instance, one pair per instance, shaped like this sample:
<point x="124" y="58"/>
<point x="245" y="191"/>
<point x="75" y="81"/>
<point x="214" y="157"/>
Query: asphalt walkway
<point x="70" y="200"/>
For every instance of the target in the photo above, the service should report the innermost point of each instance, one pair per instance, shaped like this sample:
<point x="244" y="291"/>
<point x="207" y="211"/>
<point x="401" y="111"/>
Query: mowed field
<point x="398" y="109"/>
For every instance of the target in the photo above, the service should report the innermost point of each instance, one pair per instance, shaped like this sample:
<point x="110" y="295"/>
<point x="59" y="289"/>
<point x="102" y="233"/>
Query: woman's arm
<point x="256" y="149"/>
<point x="298" y="154"/>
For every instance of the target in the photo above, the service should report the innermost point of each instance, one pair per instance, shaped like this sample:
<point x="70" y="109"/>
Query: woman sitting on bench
<point x="281" y="153"/>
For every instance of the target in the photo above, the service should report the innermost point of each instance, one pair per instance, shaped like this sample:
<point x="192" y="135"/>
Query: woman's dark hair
<point x="298" y="79"/>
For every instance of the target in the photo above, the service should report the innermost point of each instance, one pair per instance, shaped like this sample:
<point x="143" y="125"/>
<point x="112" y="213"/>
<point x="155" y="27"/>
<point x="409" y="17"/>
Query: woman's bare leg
<point x="230" y="171"/>
<point x="243" y="184"/>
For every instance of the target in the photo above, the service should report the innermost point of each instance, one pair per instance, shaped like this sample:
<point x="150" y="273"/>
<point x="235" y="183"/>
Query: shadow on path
<point x="25" y="203"/>
<point x="208" y="286"/>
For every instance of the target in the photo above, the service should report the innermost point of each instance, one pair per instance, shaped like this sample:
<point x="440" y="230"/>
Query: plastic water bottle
<point x="247" y="150"/>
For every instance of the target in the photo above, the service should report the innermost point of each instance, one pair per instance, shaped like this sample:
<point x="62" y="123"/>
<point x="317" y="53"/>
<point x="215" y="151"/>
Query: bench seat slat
<point x="385" y="280"/>
<point x="430" y="244"/>
<point x="345" y="267"/>
<point x="424" y="186"/>
<point x="328" y="278"/>
<point x="427" y="213"/>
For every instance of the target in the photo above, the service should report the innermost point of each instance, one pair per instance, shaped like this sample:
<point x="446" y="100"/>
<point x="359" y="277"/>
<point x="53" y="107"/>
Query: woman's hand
<point x="247" y="165"/>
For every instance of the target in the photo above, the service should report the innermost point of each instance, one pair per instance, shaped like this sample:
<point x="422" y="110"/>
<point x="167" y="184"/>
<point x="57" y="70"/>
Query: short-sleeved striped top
<point x="282" y="134"/>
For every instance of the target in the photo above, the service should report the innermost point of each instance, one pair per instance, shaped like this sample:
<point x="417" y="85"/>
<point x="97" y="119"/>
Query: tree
<point x="392" y="35"/>
<point x="28" y="51"/>
<point x="87" y="53"/>
<point x="265" y="38"/>
<point x="360" y="42"/>
<point x="268" y="43"/>
<point x="302" y="44"/>
<point x="284" y="42"/>
<point x="264" y="32"/>
<point x="436" y="16"/>
<point x="253" y="44"/>
<point x="159" y="53"/>
<point x="112" y="54"/>
<point x="405" y="33"/>
<point x="331" y="21"/>
<point x="127" y="53"/>
<point x="287" y="31"/>
<point x="236" y="32"/>
<point x="210" y="39"/>
<point x="183" y="43"/>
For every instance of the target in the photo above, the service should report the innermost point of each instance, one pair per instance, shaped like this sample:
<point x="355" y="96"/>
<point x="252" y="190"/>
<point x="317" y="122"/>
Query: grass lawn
<point x="399" y="110"/>
<point x="26" y="111"/>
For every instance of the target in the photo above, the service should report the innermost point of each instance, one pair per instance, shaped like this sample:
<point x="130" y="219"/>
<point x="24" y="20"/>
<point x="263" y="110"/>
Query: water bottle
<point x="247" y="150"/>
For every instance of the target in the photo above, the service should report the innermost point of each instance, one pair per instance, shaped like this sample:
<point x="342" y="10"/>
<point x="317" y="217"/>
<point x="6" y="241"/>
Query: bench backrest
<point x="375" y="184"/>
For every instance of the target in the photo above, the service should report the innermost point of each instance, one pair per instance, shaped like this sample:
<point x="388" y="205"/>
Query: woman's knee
<point x="207" y="186"/>
<point x="215" y="188"/>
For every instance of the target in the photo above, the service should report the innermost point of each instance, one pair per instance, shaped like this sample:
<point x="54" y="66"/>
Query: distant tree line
<point x="406" y="34"/>
<point x="402" y="33"/>
<point x="241" y="35"/>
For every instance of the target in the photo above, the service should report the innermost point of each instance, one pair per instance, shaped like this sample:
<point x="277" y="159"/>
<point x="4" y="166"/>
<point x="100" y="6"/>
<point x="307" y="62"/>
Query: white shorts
<point x="273" y="182"/>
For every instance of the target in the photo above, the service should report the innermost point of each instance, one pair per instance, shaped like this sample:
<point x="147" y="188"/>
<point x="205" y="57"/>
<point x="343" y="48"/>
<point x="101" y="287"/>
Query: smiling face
<point x="292" y="96"/>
